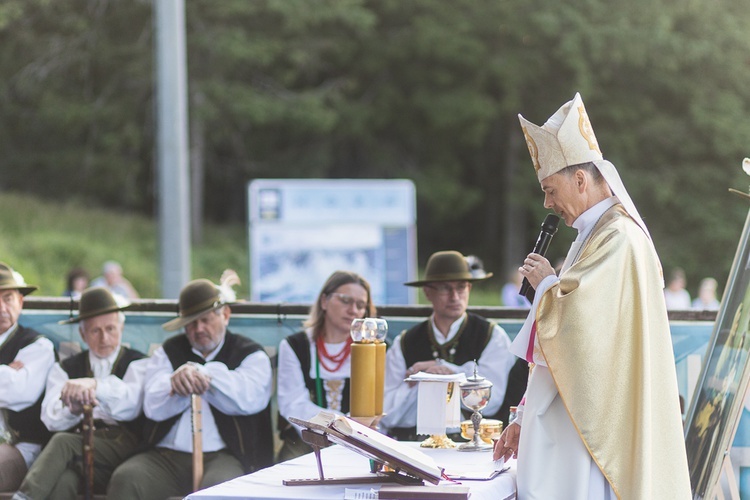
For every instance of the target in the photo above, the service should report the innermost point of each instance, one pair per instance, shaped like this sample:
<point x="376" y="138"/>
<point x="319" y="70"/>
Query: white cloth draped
<point x="400" y="400"/>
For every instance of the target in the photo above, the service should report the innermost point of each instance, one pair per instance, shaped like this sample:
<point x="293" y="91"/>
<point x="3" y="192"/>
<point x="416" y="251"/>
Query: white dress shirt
<point x="400" y="401"/>
<point x="119" y="399"/>
<point x="243" y="391"/>
<point x="20" y="389"/>
<point x="293" y="395"/>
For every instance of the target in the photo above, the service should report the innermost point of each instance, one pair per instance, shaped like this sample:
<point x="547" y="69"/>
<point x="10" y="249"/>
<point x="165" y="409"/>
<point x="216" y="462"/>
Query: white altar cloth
<point x="340" y="462"/>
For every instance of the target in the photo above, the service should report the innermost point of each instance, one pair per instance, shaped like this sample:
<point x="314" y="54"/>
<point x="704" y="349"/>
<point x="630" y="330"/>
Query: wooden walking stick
<point x="87" y="432"/>
<point x="197" y="424"/>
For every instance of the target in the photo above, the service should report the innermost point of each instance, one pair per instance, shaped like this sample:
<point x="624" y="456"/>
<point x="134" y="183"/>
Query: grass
<point x="43" y="240"/>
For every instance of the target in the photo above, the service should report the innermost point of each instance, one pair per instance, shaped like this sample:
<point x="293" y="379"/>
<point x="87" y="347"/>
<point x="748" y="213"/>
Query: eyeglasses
<point x="348" y="300"/>
<point x="445" y="289"/>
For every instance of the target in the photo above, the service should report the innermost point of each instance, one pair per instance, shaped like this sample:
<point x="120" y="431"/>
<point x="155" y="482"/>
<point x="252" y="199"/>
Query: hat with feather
<point x="12" y="280"/>
<point x="200" y="297"/>
<point x="746" y="169"/>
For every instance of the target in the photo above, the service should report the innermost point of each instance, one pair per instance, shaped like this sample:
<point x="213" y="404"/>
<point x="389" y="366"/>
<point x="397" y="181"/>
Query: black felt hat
<point x="95" y="302"/>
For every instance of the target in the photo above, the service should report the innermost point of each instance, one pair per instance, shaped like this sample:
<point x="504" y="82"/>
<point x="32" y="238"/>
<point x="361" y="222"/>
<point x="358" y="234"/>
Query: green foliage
<point x="426" y="89"/>
<point x="43" y="240"/>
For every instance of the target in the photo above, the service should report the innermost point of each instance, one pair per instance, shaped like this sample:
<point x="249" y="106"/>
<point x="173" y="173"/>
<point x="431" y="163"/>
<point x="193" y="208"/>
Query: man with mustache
<point x="107" y="376"/>
<point x="233" y="376"/>
<point x="25" y="358"/>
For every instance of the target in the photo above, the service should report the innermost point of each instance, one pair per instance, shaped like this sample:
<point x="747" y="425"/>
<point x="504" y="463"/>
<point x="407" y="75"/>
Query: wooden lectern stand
<point x="323" y="431"/>
<point x="319" y="441"/>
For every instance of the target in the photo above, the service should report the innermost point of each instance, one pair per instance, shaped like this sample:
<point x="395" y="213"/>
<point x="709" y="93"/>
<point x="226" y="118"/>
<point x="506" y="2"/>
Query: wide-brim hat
<point x="11" y="280"/>
<point x="97" y="301"/>
<point x="447" y="265"/>
<point x="197" y="298"/>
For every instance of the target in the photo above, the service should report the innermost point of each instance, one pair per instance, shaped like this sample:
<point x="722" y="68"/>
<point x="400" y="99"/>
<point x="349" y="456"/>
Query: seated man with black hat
<point x="109" y="377"/>
<point x="448" y="342"/>
<point x="231" y="373"/>
<point x="25" y="358"/>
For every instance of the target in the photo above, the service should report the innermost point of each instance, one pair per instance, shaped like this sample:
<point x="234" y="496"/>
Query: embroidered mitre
<point x="565" y="139"/>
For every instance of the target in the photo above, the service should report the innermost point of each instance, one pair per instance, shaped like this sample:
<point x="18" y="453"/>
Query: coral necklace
<point x="338" y="360"/>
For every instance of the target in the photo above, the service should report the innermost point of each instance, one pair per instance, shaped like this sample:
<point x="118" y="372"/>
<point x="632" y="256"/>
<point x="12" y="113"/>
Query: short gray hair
<point x="587" y="167"/>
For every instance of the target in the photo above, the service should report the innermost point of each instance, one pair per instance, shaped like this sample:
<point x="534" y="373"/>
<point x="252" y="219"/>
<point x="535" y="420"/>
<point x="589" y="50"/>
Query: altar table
<point x="340" y="462"/>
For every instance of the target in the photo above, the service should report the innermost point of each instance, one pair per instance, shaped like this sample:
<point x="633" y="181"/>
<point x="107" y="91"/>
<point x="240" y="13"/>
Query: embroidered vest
<point x="248" y="437"/>
<point x="301" y="347"/>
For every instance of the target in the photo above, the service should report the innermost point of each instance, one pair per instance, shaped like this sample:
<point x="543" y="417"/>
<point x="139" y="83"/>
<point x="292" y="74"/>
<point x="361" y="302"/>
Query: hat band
<point x="449" y="277"/>
<point x="201" y="306"/>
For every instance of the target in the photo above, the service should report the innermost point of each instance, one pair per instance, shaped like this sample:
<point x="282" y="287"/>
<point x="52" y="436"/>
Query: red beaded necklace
<point x="338" y="360"/>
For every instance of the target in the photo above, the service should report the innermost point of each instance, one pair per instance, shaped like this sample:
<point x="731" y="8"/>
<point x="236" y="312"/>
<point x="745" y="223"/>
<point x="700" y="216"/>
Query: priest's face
<point x="566" y="195"/>
<point x="103" y="333"/>
<point x="449" y="298"/>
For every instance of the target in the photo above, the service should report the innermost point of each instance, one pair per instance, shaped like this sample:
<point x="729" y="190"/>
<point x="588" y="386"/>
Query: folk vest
<point x="419" y="344"/>
<point x="301" y="347"/>
<point x="248" y="437"/>
<point x="26" y="425"/>
<point x="78" y="366"/>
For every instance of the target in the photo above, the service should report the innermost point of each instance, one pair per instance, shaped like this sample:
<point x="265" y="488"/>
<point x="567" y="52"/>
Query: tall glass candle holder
<point x="368" y="367"/>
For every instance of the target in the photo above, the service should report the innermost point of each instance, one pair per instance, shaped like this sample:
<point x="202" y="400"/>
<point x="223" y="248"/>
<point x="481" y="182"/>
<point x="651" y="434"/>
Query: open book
<point x="372" y="444"/>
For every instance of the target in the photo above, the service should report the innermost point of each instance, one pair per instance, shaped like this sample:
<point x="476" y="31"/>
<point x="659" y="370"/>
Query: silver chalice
<point x="475" y="394"/>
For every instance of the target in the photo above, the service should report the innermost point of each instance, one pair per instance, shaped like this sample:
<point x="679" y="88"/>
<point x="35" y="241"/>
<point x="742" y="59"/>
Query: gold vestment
<point x="604" y="333"/>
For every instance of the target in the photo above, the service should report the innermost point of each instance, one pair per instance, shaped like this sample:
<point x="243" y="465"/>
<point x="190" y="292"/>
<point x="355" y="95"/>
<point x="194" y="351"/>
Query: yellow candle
<point x="379" y="376"/>
<point x="362" y="381"/>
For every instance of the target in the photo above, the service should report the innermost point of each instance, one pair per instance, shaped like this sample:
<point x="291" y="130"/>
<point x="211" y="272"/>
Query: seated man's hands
<point x="188" y="379"/>
<point x="431" y="366"/>
<point x="16" y="365"/>
<point x="79" y="392"/>
<point x="507" y="445"/>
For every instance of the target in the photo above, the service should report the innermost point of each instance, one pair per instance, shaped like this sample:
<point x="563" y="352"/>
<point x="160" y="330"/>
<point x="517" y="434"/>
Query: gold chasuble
<point x="604" y="334"/>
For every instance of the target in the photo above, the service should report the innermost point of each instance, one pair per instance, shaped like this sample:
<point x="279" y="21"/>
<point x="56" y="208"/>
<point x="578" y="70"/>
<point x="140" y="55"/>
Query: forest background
<point x="427" y="90"/>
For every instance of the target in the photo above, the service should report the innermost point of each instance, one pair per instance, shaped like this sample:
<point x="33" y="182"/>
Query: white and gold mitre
<point x="565" y="139"/>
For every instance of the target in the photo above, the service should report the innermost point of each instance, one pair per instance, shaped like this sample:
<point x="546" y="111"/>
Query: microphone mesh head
<point x="550" y="223"/>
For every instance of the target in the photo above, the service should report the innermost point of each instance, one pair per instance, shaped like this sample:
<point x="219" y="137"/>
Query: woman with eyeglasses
<point x="314" y="364"/>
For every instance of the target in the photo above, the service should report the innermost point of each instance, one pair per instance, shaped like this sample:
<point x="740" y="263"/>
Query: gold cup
<point x="489" y="429"/>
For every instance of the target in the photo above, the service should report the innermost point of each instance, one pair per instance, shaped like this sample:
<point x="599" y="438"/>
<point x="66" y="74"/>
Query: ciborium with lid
<point x="475" y="394"/>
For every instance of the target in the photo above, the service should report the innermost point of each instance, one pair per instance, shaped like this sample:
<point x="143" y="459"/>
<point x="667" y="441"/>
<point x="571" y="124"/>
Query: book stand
<point x="319" y="441"/>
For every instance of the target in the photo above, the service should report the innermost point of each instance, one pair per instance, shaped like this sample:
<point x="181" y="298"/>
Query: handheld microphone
<point x="549" y="228"/>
